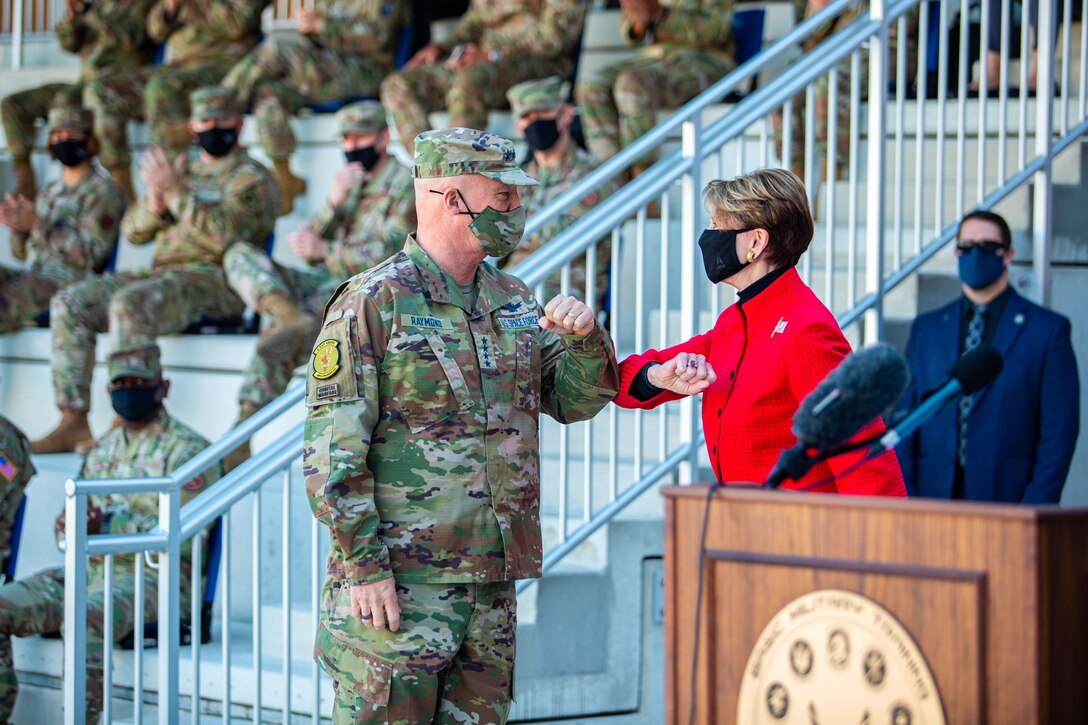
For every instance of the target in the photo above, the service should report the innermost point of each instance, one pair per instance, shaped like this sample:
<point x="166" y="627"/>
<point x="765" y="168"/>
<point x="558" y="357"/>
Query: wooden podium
<point x="833" y="609"/>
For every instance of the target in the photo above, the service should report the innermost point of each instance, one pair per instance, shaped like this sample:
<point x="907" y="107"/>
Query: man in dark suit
<point x="1013" y="440"/>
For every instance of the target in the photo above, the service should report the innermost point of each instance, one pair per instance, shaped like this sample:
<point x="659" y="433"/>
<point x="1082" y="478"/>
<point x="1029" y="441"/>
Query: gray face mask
<point x="499" y="232"/>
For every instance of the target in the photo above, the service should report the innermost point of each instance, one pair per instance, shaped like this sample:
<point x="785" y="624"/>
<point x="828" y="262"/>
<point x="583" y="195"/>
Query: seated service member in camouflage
<point x="421" y="451"/>
<point x="69" y="233"/>
<point x="543" y="118"/>
<point x="148" y="443"/>
<point x="493" y="46"/>
<point x="344" y="48"/>
<point x="193" y="215"/>
<point x="16" y="470"/>
<point x="692" y="48"/>
<point x="203" y="39"/>
<point x="111" y="39"/>
<point x="370" y="211"/>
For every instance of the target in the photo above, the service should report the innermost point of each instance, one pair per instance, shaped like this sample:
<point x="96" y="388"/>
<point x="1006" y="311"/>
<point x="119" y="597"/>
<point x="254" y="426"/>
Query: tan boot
<point x="240" y="454"/>
<point x="122" y="176"/>
<point x="27" y="184"/>
<point x="292" y="329"/>
<point x="72" y="429"/>
<point x="290" y="185"/>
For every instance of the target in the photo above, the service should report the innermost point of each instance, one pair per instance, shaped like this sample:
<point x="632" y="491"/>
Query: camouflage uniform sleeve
<point x="469" y="28"/>
<point x="141" y="225"/>
<point x="73" y="33"/>
<point x="325" y="219"/>
<point x="159" y="27"/>
<point x="578" y="375"/>
<point x="342" y="412"/>
<point x="710" y="26"/>
<point x="233" y="19"/>
<point x="95" y="235"/>
<point x="246" y="213"/>
<point x="372" y="28"/>
<point x="556" y="32"/>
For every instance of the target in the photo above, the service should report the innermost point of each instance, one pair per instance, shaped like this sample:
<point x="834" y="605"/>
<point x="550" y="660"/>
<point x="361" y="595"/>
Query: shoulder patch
<point x="326" y="360"/>
<point x="7" y="469"/>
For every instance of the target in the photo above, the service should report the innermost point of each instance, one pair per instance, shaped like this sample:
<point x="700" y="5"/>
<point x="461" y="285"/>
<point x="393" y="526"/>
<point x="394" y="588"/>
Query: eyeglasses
<point x="989" y="246"/>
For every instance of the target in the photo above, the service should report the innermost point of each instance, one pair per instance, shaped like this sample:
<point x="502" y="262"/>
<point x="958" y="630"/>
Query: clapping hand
<point x="685" y="374"/>
<point x="17" y="214"/>
<point x="308" y="245"/>
<point x="157" y="171"/>
<point x="565" y="315"/>
<point x="309" y="21"/>
<point x="347" y="178"/>
<point x="427" y="55"/>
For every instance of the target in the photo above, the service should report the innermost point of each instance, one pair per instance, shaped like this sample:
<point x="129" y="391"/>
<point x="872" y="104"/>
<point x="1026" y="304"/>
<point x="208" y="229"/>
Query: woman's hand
<point x="685" y="374"/>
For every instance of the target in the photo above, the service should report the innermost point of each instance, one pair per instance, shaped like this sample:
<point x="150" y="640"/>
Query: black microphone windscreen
<point x="863" y="386"/>
<point x="977" y="368"/>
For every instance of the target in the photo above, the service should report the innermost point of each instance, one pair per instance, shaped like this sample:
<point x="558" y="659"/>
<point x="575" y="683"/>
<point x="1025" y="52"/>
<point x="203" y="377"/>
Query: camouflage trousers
<point x="35" y="605"/>
<point x="135" y="307"/>
<point x="252" y="274"/>
<point x="166" y="98"/>
<point x="25" y="295"/>
<point x="114" y="101"/>
<point x="280" y="76"/>
<point x="618" y="104"/>
<point x="452" y="661"/>
<point x="13" y="447"/>
<point x="411" y="95"/>
<point x="19" y="111"/>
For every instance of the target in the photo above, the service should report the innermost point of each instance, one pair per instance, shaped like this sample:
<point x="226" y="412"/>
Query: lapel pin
<point x="1019" y="319"/>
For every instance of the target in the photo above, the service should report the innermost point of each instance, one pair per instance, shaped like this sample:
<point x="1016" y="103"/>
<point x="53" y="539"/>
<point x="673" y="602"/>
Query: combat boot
<point x="122" y="176"/>
<point x="292" y="331"/>
<point x="26" y="183"/>
<point x="290" y="185"/>
<point x="240" y="454"/>
<point x="72" y="430"/>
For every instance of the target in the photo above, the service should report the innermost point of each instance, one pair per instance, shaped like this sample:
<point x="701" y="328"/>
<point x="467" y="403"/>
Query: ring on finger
<point x="693" y="364"/>
<point x="364" y="616"/>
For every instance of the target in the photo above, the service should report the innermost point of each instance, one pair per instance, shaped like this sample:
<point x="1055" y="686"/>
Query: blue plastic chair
<point x="748" y="32"/>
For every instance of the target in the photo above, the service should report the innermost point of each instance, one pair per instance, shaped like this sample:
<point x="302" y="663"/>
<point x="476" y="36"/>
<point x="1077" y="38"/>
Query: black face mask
<point x="367" y="156"/>
<point x="542" y="134"/>
<point x="720" y="253"/>
<point x="70" y="153"/>
<point x="218" y="141"/>
<point x="136" y="404"/>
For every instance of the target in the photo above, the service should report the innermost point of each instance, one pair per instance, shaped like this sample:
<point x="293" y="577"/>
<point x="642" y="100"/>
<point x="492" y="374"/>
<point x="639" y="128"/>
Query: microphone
<point x="971" y="373"/>
<point x="864" y="385"/>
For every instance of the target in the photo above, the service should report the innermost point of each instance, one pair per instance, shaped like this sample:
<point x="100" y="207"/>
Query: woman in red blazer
<point x="767" y="351"/>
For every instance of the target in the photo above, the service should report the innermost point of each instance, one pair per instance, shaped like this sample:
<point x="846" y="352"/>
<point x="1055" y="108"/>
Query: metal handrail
<point x="607" y="171"/>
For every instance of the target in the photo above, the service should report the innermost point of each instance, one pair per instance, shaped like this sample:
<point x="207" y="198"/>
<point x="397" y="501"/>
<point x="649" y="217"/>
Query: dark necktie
<point x="975" y="328"/>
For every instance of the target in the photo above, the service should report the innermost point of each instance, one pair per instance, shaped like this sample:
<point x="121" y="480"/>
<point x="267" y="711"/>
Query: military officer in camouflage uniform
<point x="493" y="46"/>
<point x="203" y="39"/>
<point x="16" y="470"/>
<point x="544" y="120"/>
<point x="368" y="215"/>
<point x="344" y="48"/>
<point x="148" y="443"/>
<point x="421" y="448"/>
<point x="71" y="230"/>
<point x="692" y="48"/>
<point x="193" y="215"/>
<point x="111" y="39"/>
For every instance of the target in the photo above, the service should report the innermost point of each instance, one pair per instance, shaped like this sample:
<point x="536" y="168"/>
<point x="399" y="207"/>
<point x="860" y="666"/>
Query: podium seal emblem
<point x="833" y="656"/>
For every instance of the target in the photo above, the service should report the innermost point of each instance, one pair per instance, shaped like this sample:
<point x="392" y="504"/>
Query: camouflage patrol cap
<point x="539" y="95"/>
<point x="361" y="117"/>
<point x="71" y="118"/>
<point x="461" y="151"/>
<point x="140" y="363"/>
<point x="213" y="102"/>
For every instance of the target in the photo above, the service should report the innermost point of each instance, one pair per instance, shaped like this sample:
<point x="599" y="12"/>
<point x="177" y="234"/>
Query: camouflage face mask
<point x="499" y="232"/>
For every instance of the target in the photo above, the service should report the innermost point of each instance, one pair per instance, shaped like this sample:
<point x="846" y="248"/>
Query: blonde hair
<point x="770" y="199"/>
